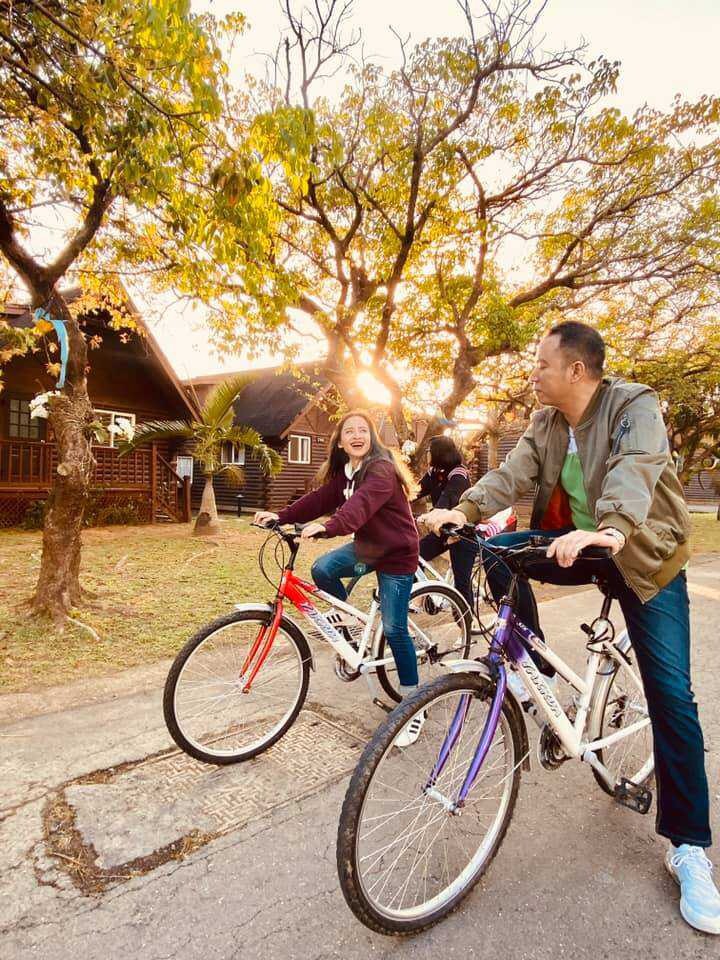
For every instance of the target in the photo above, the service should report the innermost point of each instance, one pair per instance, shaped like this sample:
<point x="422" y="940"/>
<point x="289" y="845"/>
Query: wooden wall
<point x="295" y="479"/>
<point x="122" y="377"/>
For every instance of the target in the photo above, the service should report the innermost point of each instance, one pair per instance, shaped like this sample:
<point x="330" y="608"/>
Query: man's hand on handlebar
<point x="312" y="530"/>
<point x="435" y="519"/>
<point x="264" y="517"/>
<point x="565" y="549"/>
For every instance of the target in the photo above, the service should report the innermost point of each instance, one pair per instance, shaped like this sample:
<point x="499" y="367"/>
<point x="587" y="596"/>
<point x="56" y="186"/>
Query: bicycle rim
<point x="414" y="859"/>
<point x="213" y="715"/>
<point x="621" y="704"/>
<point x="439" y="624"/>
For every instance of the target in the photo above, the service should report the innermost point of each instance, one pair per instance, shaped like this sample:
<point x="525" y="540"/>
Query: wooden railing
<point x="26" y="462"/>
<point x="31" y="465"/>
<point x="171" y="493"/>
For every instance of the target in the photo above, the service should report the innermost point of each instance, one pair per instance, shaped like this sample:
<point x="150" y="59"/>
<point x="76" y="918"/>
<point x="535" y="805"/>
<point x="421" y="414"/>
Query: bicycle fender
<point x="287" y="621"/>
<point x="476" y="666"/>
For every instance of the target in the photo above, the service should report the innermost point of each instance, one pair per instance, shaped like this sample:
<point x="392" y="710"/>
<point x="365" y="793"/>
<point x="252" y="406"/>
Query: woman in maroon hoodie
<point x="366" y="491"/>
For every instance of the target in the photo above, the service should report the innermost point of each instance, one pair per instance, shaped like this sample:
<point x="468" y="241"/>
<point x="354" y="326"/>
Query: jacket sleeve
<point x="317" y="503"/>
<point x="424" y="486"/>
<point x="638" y="455"/>
<point x="452" y="491"/>
<point x="503" y="487"/>
<point x="376" y="489"/>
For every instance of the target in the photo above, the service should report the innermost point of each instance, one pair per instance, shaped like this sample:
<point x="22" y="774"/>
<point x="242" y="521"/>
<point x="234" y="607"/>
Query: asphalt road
<point x="240" y="862"/>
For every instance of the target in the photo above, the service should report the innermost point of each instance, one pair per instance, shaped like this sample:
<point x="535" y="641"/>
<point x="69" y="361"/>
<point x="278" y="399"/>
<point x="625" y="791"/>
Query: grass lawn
<point x="155" y="586"/>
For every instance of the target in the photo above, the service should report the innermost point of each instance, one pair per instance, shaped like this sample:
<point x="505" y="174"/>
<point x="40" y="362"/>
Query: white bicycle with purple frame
<point x="420" y="824"/>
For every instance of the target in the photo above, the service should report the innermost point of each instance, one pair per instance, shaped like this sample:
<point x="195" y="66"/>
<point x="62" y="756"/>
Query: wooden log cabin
<point x="129" y="377"/>
<point x="288" y="409"/>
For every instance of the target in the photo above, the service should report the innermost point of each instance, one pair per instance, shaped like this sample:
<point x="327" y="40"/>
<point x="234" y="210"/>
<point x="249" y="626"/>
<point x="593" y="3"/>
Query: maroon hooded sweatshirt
<point x="378" y="513"/>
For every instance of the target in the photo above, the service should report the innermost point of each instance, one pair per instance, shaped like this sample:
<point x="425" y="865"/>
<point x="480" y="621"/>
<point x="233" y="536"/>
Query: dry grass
<point x="155" y="585"/>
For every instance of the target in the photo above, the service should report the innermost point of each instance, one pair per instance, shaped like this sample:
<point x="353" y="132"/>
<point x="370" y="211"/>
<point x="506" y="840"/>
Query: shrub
<point x="34" y="518"/>
<point x="117" y="514"/>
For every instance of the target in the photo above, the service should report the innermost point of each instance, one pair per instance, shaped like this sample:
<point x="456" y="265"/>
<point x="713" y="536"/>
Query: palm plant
<point x="208" y="435"/>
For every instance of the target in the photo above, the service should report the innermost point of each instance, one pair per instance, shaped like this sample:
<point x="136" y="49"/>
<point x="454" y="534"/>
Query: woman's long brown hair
<point x="337" y="457"/>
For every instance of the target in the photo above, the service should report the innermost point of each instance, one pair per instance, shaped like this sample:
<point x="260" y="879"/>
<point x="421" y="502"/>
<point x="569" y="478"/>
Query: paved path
<point x="113" y="846"/>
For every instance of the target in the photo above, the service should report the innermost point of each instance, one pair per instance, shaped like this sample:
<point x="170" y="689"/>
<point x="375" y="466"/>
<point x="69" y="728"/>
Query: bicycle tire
<point x="460" y="650"/>
<point x="351" y="818"/>
<point x="178" y="727"/>
<point x="610" y="707"/>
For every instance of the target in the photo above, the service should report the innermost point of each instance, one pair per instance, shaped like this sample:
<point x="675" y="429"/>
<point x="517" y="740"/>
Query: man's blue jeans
<point x="660" y="635"/>
<point x="328" y="573"/>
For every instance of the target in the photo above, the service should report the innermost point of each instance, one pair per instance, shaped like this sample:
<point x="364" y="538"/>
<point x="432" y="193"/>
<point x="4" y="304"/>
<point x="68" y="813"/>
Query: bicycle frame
<point x="299" y="593"/>
<point x="509" y="637"/>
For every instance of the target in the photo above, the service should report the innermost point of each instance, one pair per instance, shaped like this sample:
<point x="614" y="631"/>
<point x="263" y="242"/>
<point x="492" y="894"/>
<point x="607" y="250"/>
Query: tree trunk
<point x="207" y="523"/>
<point x="58" y="587"/>
<point x="493" y="448"/>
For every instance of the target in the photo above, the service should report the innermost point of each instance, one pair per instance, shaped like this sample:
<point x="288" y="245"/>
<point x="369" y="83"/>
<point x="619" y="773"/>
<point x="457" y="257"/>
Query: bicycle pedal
<point x="629" y="794"/>
<point x="382" y="705"/>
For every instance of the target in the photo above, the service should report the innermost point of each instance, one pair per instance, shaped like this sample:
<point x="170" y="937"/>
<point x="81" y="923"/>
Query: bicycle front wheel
<point x="206" y="711"/>
<point x="439" y="621"/>
<point x="619" y="703"/>
<point x="405" y="860"/>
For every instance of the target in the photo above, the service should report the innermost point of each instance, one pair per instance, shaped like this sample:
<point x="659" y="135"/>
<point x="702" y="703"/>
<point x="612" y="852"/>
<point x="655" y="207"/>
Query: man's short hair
<point x="582" y="342"/>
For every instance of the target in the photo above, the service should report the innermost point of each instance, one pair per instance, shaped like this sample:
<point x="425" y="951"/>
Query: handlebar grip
<point x="299" y="527"/>
<point x="453" y="530"/>
<point x="595" y="553"/>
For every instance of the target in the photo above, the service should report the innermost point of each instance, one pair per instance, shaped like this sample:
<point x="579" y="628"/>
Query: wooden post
<point x="187" y="511"/>
<point x="153" y="481"/>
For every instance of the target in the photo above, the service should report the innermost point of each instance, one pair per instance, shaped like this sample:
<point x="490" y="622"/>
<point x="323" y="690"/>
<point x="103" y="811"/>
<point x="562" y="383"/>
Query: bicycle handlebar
<point x="535" y="548"/>
<point x="297" y="528"/>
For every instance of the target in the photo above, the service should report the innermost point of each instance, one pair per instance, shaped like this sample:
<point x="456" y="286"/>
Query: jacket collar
<point x="591" y="407"/>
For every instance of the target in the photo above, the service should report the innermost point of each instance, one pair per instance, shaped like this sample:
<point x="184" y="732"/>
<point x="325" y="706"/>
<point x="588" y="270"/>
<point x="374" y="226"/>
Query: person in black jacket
<point x="444" y="483"/>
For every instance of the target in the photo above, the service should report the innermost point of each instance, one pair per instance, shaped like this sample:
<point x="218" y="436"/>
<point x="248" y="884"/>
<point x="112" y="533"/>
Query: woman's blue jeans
<point x="332" y="568"/>
<point x="660" y="635"/>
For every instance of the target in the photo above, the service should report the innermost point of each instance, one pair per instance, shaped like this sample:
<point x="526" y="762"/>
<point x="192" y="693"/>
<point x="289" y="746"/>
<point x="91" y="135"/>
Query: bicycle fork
<point x="481" y="751"/>
<point x="260" y="649"/>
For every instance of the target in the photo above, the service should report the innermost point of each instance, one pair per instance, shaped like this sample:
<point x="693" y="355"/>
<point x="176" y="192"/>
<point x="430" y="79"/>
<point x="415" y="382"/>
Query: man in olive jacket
<point x="597" y="457"/>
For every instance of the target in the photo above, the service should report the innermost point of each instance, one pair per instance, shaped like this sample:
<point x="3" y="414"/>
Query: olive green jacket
<point x="630" y="481"/>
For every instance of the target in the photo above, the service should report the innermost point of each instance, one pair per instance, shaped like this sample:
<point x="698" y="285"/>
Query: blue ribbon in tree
<point x="62" y="336"/>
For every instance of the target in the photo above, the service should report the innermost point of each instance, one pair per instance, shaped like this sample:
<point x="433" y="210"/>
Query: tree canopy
<point x="458" y="204"/>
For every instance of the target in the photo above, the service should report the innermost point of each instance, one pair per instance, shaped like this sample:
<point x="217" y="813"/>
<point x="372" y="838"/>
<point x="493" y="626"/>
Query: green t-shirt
<point x="573" y="483"/>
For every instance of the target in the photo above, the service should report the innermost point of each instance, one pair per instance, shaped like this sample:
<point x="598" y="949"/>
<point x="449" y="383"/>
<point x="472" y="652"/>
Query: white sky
<point x="665" y="48"/>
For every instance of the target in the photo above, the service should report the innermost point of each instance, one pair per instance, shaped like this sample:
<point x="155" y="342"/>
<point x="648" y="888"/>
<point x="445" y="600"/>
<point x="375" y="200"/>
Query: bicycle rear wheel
<point x="439" y="621"/>
<point x="206" y="711"/>
<point x="618" y="703"/>
<point x="404" y="860"/>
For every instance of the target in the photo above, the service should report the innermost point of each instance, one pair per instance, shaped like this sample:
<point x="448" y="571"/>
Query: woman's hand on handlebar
<point x="264" y="517"/>
<point x="436" y="519"/>
<point x="565" y="549"/>
<point x="312" y="530"/>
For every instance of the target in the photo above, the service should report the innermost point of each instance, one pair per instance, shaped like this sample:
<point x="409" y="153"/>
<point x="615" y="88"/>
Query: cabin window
<point x="232" y="453"/>
<point x="21" y="424"/>
<point x="184" y="467"/>
<point x="114" y="422"/>
<point x="299" y="449"/>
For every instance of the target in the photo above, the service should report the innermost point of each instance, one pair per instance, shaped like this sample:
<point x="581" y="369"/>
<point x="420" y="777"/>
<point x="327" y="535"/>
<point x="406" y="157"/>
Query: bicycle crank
<point x="550" y="751"/>
<point x="343" y="670"/>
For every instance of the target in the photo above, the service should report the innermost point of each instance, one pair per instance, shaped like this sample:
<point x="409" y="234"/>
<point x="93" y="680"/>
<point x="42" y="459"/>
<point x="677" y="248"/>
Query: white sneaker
<point x="699" y="898"/>
<point x="411" y="731"/>
<point x="515" y="682"/>
<point x="339" y="619"/>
